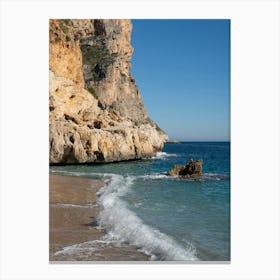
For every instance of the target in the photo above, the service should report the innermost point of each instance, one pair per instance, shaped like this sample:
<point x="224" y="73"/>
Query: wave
<point x="69" y="205"/>
<point x="154" y="176"/>
<point x="204" y="177"/>
<point x="106" y="177"/>
<point x="164" y="155"/>
<point x="214" y="176"/>
<point x="124" y="225"/>
<point x="86" y="249"/>
<point x="69" y="173"/>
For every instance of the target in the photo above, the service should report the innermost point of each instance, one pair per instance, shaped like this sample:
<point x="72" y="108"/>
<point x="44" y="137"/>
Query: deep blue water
<point x="169" y="218"/>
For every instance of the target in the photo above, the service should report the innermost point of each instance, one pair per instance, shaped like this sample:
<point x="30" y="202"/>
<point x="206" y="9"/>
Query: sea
<point x="167" y="218"/>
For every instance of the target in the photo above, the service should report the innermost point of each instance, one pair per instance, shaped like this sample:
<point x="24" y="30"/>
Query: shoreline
<point x="74" y="234"/>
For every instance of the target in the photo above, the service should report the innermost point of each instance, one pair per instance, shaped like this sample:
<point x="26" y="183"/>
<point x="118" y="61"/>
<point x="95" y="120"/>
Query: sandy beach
<point x="74" y="234"/>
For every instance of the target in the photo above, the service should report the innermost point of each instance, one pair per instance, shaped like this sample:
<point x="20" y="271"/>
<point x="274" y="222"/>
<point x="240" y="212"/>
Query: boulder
<point x="176" y="170"/>
<point x="191" y="169"/>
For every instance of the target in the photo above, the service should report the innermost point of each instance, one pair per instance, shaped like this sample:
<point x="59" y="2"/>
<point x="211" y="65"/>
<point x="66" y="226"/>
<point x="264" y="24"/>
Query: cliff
<point x="96" y="111"/>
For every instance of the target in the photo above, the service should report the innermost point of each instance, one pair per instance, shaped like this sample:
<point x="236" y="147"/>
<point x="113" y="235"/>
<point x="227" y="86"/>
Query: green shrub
<point x="99" y="58"/>
<point x="93" y="92"/>
<point x="97" y="55"/>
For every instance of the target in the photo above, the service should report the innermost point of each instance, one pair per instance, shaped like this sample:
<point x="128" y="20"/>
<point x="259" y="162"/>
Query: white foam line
<point x="164" y="155"/>
<point x="74" y="205"/>
<point x="72" y="173"/>
<point x="89" y="245"/>
<point x="123" y="224"/>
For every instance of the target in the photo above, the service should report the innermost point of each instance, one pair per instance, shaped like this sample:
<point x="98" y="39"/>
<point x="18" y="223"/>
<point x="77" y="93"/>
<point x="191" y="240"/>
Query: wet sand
<point x="73" y="220"/>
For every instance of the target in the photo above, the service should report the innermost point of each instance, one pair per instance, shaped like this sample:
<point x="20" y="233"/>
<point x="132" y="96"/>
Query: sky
<point x="182" y="68"/>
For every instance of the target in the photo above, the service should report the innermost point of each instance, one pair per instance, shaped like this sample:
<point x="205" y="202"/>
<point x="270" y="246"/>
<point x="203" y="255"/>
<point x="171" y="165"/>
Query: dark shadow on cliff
<point x="98" y="163"/>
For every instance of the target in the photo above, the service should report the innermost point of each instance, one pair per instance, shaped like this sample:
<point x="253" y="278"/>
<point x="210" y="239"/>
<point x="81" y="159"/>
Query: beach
<point x="74" y="234"/>
<point x="169" y="218"/>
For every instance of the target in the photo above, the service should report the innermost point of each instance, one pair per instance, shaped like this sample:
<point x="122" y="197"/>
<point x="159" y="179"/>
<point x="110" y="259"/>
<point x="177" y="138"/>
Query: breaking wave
<point x="154" y="176"/>
<point x="164" y="155"/>
<point x="124" y="225"/>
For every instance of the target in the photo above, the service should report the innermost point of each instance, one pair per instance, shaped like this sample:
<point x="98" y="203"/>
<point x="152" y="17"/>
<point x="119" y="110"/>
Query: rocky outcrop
<point x="191" y="169"/>
<point x="96" y="111"/>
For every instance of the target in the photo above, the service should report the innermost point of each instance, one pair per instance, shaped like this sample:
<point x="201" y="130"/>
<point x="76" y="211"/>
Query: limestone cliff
<point x="96" y="111"/>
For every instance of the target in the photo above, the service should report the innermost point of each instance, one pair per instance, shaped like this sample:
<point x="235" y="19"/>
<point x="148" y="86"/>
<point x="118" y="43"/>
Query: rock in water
<point x="192" y="168"/>
<point x="96" y="113"/>
<point x="176" y="170"/>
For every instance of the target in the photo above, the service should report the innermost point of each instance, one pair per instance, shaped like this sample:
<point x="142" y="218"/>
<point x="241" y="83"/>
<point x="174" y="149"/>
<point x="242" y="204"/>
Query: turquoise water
<point x="168" y="218"/>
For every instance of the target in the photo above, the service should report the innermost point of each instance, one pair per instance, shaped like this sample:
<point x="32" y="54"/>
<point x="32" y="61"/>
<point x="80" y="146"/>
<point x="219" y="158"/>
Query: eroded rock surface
<point x="191" y="169"/>
<point x="96" y="110"/>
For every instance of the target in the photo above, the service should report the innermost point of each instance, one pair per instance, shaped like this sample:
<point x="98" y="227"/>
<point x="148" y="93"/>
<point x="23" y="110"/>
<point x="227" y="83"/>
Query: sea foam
<point x="163" y="155"/>
<point x="124" y="225"/>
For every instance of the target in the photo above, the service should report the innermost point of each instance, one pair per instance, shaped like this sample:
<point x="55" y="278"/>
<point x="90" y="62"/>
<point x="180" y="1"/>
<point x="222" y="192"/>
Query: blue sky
<point x="182" y="68"/>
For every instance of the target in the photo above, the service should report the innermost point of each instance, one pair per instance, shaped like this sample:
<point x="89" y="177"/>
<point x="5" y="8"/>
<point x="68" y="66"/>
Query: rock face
<point x="192" y="168"/>
<point x="96" y="111"/>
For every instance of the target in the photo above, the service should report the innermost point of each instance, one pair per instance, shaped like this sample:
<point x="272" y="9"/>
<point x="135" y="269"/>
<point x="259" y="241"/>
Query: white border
<point x="254" y="136"/>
